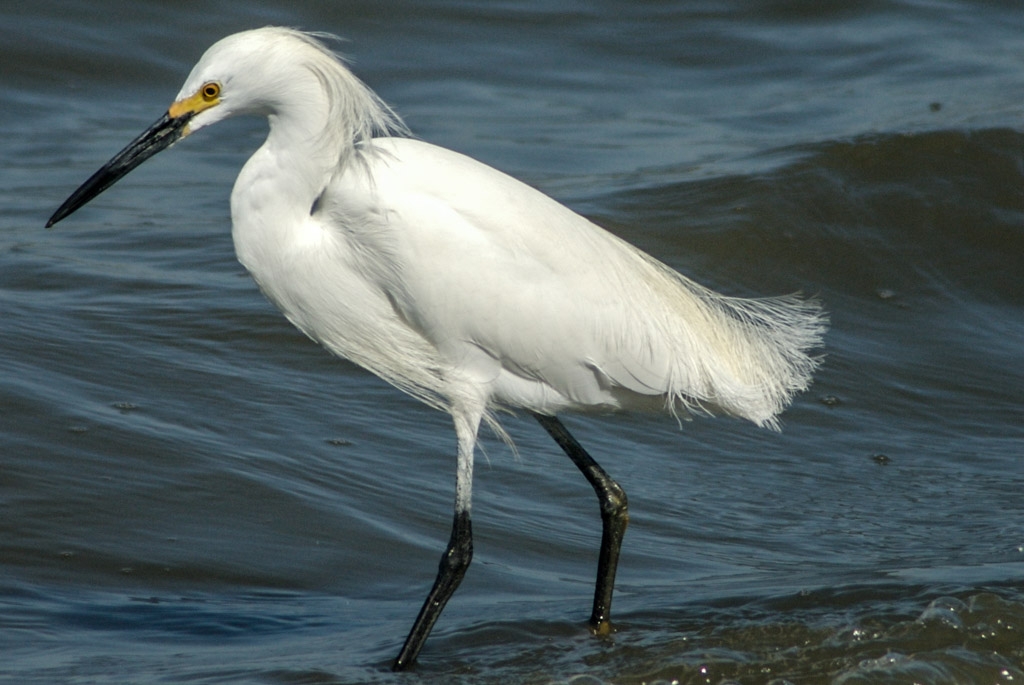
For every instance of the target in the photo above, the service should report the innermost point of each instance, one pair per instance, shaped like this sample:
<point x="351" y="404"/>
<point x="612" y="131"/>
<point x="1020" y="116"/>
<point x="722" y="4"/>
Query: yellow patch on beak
<point x="206" y="97"/>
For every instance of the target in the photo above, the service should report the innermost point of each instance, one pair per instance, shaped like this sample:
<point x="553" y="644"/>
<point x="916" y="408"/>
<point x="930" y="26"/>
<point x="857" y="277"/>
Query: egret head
<point x="252" y="72"/>
<point x="266" y="72"/>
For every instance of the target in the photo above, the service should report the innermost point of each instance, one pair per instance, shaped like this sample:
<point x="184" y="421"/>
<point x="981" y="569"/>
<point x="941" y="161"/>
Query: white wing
<point x="520" y="295"/>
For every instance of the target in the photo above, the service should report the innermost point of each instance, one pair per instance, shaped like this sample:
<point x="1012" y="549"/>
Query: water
<point x="192" y="492"/>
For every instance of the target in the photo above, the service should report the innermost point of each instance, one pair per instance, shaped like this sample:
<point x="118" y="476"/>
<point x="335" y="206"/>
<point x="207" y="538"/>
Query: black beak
<point x="157" y="137"/>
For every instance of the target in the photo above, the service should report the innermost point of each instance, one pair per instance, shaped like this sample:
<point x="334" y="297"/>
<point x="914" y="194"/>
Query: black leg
<point x="450" y="573"/>
<point x="614" y="519"/>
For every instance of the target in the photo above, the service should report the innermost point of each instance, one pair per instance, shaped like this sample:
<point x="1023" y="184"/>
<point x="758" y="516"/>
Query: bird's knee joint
<point x="457" y="558"/>
<point x="615" y="504"/>
<point x="459" y="553"/>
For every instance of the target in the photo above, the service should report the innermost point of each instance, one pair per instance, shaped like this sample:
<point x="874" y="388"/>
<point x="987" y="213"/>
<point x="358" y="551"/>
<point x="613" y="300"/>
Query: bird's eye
<point x="210" y="91"/>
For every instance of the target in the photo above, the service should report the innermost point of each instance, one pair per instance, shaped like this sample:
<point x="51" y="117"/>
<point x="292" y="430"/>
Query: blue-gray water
<point x="190" y="491"/>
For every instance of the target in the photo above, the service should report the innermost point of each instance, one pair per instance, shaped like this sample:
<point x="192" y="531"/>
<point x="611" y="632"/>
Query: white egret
<point x="462" y="286"/>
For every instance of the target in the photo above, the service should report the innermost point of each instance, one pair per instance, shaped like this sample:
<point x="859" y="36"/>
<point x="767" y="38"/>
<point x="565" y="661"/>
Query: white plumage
<point x="453" y="281"/>
<point x="460" y="284"/>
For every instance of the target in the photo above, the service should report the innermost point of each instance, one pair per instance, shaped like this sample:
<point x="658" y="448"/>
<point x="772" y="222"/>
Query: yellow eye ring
<point x="210" y="91"/>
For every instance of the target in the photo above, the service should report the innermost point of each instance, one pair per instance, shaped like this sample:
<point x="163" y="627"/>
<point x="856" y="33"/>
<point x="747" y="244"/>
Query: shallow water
<point x="190" y="491"/>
